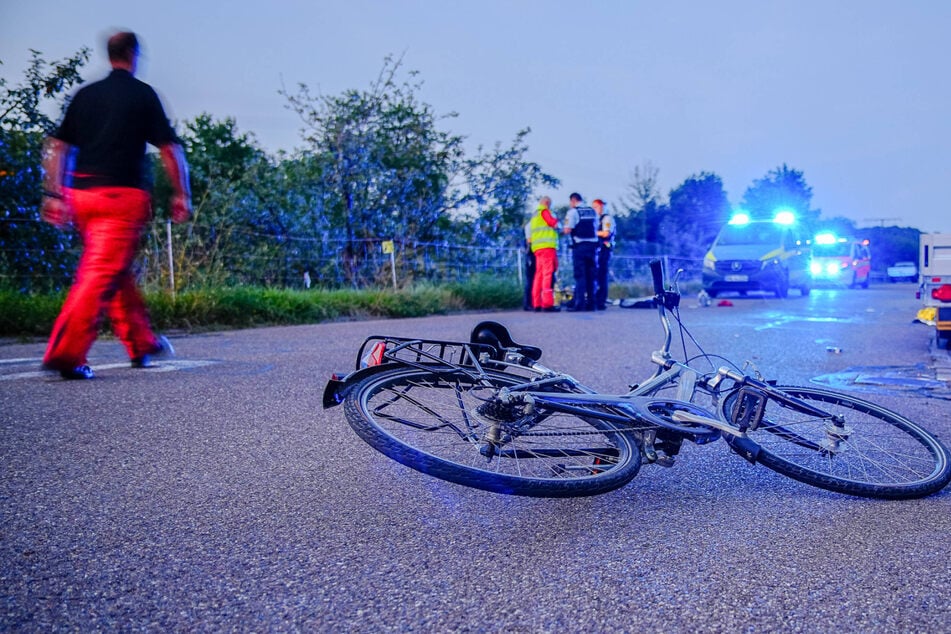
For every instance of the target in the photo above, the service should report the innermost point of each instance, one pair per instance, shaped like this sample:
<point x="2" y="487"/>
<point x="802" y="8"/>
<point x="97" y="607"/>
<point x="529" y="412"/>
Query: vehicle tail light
<point x="942" y="293"/>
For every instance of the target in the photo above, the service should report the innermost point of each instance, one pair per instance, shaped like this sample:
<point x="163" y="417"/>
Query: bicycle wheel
<point x="859" y="449"/>
<point x="453" y="427"/>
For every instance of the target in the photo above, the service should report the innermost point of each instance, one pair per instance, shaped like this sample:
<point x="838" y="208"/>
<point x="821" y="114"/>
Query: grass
<point x="30" y="315"/>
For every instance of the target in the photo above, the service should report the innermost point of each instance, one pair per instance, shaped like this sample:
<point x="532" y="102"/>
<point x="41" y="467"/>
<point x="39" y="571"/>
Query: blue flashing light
<point x="784" y="217"/>
<point x="740" y="218"/>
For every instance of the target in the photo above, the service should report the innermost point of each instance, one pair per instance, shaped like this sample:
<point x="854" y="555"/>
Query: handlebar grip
<point x="657" y="272"/>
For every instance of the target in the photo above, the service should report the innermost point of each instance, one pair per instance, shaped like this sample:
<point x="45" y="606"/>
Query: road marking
<point x="165" y="365"/>
<point x="29" y="360"/>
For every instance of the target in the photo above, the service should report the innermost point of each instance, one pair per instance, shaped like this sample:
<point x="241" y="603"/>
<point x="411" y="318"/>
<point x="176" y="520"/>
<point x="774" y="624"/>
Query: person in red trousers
<point x="544" y="245"/>
<point x="96" y="177"/>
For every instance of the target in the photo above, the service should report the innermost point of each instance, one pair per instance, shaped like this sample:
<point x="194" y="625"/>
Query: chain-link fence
<point x="194" y="256"/>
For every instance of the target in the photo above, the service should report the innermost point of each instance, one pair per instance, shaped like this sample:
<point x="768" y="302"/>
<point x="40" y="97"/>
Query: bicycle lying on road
<point x="487" y="414"/>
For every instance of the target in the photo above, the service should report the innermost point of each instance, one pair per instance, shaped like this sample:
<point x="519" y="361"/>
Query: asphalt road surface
<point x="214" y="493"/>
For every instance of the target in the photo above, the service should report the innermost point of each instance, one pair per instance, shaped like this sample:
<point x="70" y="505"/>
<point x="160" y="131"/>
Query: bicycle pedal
<point x="665" y="460"/>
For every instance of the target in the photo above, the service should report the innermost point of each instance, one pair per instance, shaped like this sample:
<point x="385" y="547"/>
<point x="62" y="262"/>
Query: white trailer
<point x="934" y="282"/>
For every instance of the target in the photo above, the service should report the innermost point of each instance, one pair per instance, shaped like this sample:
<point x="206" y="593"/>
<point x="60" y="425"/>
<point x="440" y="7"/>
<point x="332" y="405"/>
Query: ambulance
<point x="840" y="261"/>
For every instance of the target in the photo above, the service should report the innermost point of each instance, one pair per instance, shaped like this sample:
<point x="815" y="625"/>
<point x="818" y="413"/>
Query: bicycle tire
<point x="435" y="423"/>
<point x="876" y="453"/>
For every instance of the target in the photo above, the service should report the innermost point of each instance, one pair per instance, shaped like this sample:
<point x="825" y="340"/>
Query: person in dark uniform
<point x="581" y="224"/>
<point x="605" y="234"/>
<point x="529" y="268"/>
<point x="102" y="141"/>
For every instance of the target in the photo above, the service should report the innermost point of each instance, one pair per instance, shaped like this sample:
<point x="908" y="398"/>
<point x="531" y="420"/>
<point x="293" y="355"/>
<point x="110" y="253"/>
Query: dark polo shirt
<point x="109" y="122"/>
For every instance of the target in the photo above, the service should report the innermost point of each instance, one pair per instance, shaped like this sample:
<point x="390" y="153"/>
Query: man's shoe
<point x="163" y="350"/>
<point x="552" y="309"/>
<point x="79" y="373"/>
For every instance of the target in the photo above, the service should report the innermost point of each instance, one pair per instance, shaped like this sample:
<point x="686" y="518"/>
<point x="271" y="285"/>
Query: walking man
<point x="581" y="225"/>
<point x="605" y="247"/>
<point x="106" y="195"/>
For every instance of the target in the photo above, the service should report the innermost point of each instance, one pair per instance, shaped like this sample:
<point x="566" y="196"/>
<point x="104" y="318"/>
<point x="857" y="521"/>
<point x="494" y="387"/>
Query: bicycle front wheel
<point x="860" y="448"/>
<point x="454" y="427"/>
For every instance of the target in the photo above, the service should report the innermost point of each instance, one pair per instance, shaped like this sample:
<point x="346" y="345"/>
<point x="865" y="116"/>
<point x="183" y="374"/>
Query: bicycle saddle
<point x="494" y="334"/>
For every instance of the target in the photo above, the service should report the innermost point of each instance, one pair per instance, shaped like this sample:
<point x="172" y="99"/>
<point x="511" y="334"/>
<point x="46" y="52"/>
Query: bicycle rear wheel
<point x="860" y="448"/>
<point x="452" y="426"/>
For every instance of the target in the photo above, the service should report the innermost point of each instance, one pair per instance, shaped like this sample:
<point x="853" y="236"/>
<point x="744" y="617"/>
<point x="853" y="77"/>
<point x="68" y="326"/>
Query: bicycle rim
<point x="867" y="451"/>
<point x="440" y="424"/>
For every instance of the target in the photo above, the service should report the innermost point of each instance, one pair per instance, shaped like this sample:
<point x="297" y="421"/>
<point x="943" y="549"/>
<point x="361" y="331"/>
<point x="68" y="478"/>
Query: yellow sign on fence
<point x="387" y="246"/>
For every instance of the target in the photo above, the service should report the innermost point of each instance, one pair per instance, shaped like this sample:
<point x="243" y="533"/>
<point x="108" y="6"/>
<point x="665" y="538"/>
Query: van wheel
<point x="804" y="291"/>
<point x="865" y="282"/>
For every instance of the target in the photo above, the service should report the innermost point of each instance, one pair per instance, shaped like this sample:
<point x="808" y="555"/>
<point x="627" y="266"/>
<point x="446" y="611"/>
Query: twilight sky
<point x="854" y="93"/>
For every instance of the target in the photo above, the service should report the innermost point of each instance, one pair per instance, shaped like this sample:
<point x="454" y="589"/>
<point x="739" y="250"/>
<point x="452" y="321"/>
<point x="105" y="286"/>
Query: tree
<point x="382" y="156"/>
<point x="499" y="187"/>
<point x="698" y="208"/>
<point x="891" y="244"/>
<point x="32" y="253"/>
<point x="389" y="171"/>
<point x="641" y="210"/>
<point x="781" y="188"/>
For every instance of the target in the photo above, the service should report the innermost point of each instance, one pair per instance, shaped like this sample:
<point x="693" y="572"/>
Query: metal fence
<point x="195" y="255"/>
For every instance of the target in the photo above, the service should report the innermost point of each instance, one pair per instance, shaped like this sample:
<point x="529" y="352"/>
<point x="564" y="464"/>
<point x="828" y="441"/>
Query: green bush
<point x="247" y="307"/>
<point x="28" y="314"/>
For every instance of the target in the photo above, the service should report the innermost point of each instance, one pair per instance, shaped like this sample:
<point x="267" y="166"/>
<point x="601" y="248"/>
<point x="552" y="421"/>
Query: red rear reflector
<point x="942" y="293"/>
<point x="375" y="356"/>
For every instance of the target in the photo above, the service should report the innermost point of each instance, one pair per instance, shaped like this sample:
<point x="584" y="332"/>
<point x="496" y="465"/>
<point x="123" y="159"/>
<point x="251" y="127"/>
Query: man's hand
<point x="173" y="158"/>
<point x="181" y="208"/>
<point x="56" y="211"/>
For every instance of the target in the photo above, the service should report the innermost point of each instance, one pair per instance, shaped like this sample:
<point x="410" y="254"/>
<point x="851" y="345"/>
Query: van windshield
<point x="752" y="233"/>
<point x="834" y="250"/>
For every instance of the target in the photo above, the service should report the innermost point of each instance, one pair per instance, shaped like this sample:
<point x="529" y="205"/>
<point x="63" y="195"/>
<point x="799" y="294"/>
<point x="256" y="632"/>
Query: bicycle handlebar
<point x="657" y="272"/>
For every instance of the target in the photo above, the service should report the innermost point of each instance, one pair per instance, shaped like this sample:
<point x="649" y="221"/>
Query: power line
<point x="881" y="221"/>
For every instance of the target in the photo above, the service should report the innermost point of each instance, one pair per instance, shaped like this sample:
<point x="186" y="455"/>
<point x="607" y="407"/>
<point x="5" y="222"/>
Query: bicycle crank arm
<point x="688" y="417"/>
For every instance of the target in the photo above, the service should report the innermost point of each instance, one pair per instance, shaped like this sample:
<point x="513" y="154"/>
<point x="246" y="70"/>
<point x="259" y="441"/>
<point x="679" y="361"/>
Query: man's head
<point x="544" y="202"/>
<point x="598" y="205"/>
<point x="123" y="50"/>
<point x="575" y="199"/>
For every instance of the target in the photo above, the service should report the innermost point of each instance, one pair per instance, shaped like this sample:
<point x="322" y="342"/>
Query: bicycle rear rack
<point x="378" y="350"/>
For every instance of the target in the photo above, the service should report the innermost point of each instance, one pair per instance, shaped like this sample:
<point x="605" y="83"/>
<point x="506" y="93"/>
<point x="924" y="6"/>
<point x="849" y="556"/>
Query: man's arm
<point x="570" y="220"/>
<point x="55" y="208"/>
<point x="173" y="158"/>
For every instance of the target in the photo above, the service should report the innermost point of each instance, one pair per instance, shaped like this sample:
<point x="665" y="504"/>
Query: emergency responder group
<point x="591" y="234"/>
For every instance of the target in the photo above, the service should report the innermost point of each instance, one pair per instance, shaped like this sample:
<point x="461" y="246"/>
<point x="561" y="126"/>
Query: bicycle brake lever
<point x="675" y="282"/>
<point x="756" y="373"/>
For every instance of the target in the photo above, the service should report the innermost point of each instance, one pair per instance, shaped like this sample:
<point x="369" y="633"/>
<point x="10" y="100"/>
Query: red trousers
<point x="110" y="221"/>
<point x="546" y="263"/>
